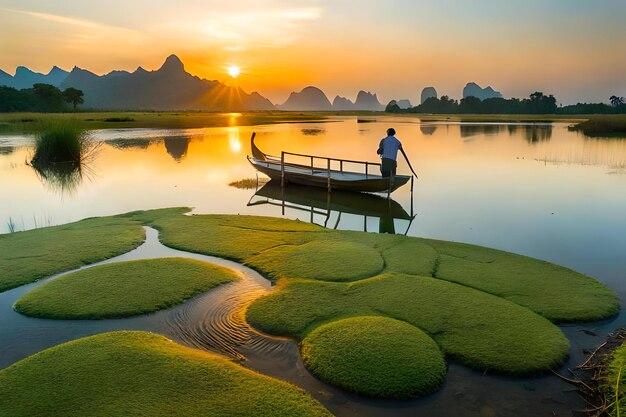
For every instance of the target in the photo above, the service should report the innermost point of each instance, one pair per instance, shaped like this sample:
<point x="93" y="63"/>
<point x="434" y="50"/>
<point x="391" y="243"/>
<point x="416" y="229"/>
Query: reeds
<point x="603" y="126"/>
<point x="61" y="141"/>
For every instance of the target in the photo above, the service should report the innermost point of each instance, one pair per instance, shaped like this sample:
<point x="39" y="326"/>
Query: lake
<point x="534" y="189"/>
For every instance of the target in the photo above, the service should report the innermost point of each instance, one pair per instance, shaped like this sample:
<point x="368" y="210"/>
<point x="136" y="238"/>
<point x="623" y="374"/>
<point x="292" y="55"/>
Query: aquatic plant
<point x="603" y="126"/>
<point x="61" y="141"/>
<point x="249" y="183"/>
<point x="11" y="225"/>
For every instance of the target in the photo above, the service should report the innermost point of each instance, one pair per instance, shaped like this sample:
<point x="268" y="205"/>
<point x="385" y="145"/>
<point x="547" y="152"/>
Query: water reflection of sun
<point x="233" y="139"/>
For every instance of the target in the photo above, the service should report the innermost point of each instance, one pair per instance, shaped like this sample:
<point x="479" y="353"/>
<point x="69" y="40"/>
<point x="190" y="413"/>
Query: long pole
<point x="408" y="162"/>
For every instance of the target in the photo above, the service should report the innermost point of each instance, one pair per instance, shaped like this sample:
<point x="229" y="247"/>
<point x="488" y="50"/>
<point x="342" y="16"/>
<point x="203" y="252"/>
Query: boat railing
<point x="328" y="167"/>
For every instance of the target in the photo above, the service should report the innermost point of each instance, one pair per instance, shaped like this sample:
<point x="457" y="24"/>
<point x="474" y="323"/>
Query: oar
<point x="408" y="162"/>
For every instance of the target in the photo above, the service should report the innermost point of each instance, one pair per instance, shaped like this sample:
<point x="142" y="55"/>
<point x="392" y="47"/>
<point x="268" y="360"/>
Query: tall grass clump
<point x="603" y="126"/>
<point x="61" y="141"/>
<point x="62" y="149"/>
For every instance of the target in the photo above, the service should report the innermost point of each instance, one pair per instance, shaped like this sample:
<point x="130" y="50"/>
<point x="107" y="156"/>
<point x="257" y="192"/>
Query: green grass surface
<point x="141" y="374"/>
<point x="490" y="310"/>
<point x="28" y="256"/>
<point x="555" y="292"/>
<point x="122" y="289"/>
<point x="320" y="259"/>
<point x="614" y="383"/>
<point x="477" y="329"/>
<point x="375" y="356"/>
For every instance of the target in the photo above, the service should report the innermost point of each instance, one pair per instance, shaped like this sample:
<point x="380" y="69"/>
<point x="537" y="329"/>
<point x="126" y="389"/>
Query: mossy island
<point x="377" y="315"/>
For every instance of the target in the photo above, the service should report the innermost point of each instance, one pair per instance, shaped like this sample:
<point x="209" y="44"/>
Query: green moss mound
<point x="142" y="374"/>
<point x="555" y="292"/>
<point x="122" y="289"/>
<point x="326" y="260"/>
<point x="482" y="331"/>
<point x="231" y="237"/>
<point x="614" y="383"/>
<point x="28" y="256"/>
<point x="375" y="356"/>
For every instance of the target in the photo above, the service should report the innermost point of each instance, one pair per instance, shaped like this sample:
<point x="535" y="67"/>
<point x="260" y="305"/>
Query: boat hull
<point x="302" y="175"/>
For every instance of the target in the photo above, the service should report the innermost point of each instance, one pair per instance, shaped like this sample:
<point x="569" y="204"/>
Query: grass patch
<point x="375" y="356"/>
<point x="249" y="183"/>
<point x="555" y="292"/>
<point x="158" y="120"/>
<point x="28" y="256"/>
<point x="614" y="125"/>
<point x="119" y="119"/>
<point x="614" y="384"/>
<point x="320" y="259"/>
<point x="229" y="236"/>
<point x="142" y="374"/>
<point x="122" y="289"/>
<point x="479" y="330"/>
<point x="60" y="141"/>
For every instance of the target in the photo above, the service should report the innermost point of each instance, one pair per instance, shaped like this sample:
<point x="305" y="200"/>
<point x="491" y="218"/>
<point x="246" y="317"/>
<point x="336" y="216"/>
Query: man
<point x="388" y="151"/>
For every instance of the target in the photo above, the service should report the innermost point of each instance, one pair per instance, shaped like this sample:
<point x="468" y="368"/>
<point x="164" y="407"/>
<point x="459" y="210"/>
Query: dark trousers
<point x="388" y="167"/>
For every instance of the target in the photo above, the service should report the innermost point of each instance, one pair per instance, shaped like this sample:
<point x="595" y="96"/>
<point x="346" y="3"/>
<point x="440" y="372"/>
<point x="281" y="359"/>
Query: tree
<point x="73" y="96"/>
<point x="617" y="101"/>
<point x="49" y="97"/>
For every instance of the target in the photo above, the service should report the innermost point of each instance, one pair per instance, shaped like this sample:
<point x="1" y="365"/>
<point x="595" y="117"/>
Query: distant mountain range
<point x="473" y="89"/>
<point x="172" y="88"/>
<point x="312" y="98"/>
<point x="25" y="78"/>
<point x="168" y="88"/>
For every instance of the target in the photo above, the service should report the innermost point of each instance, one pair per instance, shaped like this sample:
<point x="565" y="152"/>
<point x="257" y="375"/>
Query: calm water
<point x="537" y="190"/>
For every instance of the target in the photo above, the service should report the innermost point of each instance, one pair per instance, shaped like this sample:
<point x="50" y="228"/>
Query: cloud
<point x="88" y="28"/>
<point x="253" y="28"/>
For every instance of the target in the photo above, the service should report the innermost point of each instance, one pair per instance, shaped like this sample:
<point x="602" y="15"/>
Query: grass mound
<point x="122" y="289"/>
<point x="555" y="292"/>
<point x="326" y="260"/>
<point x="375" y="356"/>
<point x="60" y="141"/>
<point x="479" y="330"/>
<point x="142" y="374"/>
<point x="28" y="256"/>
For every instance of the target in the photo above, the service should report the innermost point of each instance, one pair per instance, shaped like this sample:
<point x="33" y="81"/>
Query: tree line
<point x="537" y="103"/>
<point x="39" y="98"/>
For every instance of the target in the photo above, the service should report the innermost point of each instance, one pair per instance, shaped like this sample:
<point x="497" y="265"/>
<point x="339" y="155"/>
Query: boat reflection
<point x="319" y="202"/>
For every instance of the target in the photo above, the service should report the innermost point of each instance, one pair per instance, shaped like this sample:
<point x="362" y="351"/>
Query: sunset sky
<point x="574" y="49"/>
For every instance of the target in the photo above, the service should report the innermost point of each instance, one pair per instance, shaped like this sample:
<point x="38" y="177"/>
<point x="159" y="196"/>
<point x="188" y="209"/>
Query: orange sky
<point x="570" y="48"/>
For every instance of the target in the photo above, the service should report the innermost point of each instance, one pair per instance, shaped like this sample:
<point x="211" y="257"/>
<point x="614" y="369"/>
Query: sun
<point x="233" y="71"/>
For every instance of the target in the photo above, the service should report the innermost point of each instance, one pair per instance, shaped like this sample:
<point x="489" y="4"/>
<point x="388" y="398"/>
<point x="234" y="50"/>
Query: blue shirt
<point x="389" y="147"/>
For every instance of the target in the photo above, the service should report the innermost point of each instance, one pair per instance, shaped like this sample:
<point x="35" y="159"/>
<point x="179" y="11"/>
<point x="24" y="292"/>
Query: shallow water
<point x="538" y="190"/>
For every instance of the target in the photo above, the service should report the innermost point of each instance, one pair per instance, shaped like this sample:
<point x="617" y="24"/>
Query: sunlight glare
<point x="233" y="71"/>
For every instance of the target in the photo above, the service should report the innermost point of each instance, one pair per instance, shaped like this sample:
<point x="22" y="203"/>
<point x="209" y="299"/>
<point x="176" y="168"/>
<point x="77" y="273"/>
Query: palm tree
<point x="74" y="96"/>
<point x="617" y="101"/>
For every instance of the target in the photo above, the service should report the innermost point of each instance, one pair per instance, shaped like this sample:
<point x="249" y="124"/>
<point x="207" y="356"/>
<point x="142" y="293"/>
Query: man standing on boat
<point x="388" y="151"/>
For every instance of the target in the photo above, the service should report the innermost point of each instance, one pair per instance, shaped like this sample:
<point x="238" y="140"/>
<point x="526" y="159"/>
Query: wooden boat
<point x="332" y="179"/>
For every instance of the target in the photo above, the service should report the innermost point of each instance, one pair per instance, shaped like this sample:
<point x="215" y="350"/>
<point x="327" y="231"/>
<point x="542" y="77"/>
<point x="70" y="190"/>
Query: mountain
<point x="427" y="93"/>
<point x="367" y="101"/>
<point x="309" y="99"/>
<point x="168" y="88"/>
<point x="473" y="89"/>
<point x="26" y="78"/>
<point x="342" y="103"/>
<point x="404" y="104"/>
